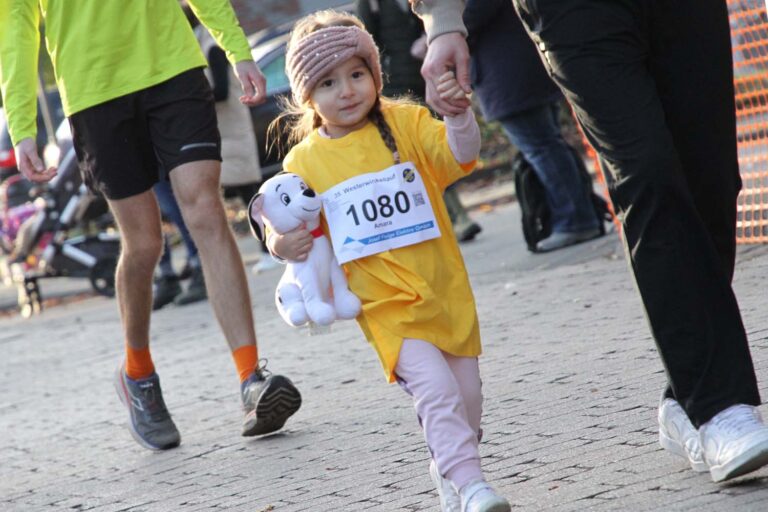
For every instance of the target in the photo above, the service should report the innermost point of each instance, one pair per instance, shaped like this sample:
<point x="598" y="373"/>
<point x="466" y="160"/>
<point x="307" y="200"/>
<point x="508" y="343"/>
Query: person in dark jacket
<point x="526" y="102"/>
<point x="652" y="85"/>
<point x="395" y="29"/>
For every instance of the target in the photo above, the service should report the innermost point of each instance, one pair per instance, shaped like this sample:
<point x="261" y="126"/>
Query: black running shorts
<point x="123" y="145"/>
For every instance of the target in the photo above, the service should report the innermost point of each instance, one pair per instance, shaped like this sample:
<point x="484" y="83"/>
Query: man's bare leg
<point x="268" y="400"/>
<point x="137" y="384"/>
<point x="138" y="219"/>
<point x="196" y="186"/>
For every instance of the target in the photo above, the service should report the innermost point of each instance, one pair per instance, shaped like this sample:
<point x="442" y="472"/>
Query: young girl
<point x="381" y="167"/>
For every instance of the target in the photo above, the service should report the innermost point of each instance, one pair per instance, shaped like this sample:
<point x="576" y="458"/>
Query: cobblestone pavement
<point x="571" y="380"/>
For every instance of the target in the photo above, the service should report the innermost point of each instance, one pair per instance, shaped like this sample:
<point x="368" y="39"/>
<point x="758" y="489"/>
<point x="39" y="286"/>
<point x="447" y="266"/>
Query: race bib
<point x="379" y="211"/>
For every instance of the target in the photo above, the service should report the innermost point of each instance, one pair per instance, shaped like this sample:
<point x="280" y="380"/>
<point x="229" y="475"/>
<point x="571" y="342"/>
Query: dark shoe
<point x="469" y="232"/>
<point x="148" y="418"/>
<point x="268" y="401"/>
<point x="195" y="292"/>
<point x="165" y="289"/>
<point x="559" y="240"/>
<point x="186" y="272"/>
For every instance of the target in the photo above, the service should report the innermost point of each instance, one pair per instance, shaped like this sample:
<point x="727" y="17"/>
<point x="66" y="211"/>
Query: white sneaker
<point x="265" y="264"/>
<point x="449" y="498"/>
<point x="478" y="496"/>
<point x="678" y="435"/>
<point x="734" y="442"/>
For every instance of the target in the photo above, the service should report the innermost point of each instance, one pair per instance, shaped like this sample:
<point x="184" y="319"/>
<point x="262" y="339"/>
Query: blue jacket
<point x="507" y="73"/>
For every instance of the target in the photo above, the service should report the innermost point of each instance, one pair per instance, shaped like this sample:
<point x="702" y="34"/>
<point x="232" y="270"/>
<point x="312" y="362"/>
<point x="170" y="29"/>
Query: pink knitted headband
<point x="317" y="53"/>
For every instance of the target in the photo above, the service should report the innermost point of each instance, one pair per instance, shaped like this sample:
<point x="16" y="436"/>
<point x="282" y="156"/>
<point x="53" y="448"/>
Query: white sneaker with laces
<point x="478" y="496"/>
<point x="734" y="442"/>
<point x="678" y="435"/>
<point x="449" y="498"/>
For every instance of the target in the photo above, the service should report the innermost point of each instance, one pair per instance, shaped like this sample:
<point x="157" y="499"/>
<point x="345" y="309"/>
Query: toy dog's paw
<point x="321" y="313"/>
<point x="296" y="316"/>
<point x="347" y="304"/>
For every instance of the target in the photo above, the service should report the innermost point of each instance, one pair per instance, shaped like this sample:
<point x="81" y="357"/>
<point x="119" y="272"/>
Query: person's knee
<point x="144" y="250"/>
<point x="204" y="212"/>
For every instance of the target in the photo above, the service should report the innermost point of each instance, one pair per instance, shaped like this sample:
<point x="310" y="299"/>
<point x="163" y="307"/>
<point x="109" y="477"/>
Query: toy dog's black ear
<point x="254" y="216"/>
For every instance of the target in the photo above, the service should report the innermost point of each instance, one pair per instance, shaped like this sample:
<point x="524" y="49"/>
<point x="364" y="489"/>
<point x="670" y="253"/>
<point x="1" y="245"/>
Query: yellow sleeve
<point x="19" y="47"/>
<point x="434" y="144"/>
<point x="220" y="20"/>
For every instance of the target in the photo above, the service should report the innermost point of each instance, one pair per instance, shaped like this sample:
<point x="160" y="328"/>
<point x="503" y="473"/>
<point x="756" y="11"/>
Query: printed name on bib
<point x="379" y="211"/>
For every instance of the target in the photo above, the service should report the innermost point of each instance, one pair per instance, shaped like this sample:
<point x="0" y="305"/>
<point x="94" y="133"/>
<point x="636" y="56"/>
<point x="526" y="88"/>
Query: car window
<point x="5" y="137"/>
<point x="274" y="72"/>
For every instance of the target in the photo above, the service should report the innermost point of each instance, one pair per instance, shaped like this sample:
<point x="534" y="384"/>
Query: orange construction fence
<point x="749" y="38"/>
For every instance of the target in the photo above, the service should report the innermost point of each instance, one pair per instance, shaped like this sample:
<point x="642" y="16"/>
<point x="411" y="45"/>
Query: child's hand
<point x="450" y="90"/>
<point x="292" y="246"/>
<point x="449" y="87"/>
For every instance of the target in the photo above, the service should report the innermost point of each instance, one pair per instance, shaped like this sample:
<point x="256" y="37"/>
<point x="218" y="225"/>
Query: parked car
<point x="7" y="156"/>
<point x="269" y="54"/>
<point x="268" y="48"/>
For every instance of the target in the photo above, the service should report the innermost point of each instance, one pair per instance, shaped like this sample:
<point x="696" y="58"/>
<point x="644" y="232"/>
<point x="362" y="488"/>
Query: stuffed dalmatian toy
<point x="314" y="290"/>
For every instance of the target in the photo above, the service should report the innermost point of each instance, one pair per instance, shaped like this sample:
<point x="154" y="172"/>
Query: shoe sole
<point x="278" y="402"/>
<point x="498" y="507"/>
<point x="754" y="458"/>
<point x="123" y="394"/>
<point x="676" y="448"/>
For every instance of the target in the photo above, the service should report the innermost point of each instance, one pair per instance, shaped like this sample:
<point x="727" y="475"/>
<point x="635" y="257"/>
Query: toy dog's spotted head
<point x="284" y="202"/>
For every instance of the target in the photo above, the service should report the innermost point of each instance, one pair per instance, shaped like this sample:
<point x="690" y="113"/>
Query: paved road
<point x="570" y="375"/>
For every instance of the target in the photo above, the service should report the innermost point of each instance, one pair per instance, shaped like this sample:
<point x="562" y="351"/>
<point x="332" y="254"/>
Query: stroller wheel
<point x="103" y="276"/>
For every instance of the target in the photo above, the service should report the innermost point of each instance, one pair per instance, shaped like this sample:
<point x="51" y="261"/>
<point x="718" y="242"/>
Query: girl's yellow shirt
<point x="102" y="49"/>
<point x="420" y="291"/>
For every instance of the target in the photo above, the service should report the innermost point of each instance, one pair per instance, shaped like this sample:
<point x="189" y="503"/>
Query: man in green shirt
<point x="131" y="81"/>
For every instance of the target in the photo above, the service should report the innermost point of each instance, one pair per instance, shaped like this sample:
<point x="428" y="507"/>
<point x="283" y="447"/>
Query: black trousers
<point x="651" y="83"/>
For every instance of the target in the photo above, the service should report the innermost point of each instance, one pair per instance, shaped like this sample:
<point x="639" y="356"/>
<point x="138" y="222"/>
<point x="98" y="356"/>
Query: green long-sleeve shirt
<point x="102" y="49"/>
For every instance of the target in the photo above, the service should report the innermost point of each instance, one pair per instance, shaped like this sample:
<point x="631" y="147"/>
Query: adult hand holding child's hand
<point x="451" y="91"/>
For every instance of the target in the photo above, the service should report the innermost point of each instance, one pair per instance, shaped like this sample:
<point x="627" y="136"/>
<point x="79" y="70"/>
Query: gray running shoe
<point x="268" y="401"/>
<point x="148" y="418"/>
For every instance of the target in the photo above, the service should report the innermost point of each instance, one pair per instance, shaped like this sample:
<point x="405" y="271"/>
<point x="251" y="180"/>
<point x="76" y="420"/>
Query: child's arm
<point x="462" y="130"/>
<point x="463" y="136"/>
<point x="292" y="246"/>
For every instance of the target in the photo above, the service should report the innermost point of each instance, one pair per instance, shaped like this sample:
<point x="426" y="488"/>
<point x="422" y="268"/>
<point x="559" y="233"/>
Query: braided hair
<point x="377" y="118"/>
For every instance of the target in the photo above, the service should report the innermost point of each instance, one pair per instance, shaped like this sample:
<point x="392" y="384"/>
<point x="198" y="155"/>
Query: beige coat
<point x="239" y="151"/>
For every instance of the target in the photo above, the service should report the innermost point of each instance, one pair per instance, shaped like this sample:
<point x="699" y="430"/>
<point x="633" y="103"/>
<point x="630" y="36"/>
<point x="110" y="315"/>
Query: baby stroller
<point x="69" y="235"/>
<point x="15" y="208"/>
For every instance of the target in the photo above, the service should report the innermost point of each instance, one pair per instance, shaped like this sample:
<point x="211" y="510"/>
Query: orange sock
<point x="138" y="362"/>
<point x="246" y="358"/>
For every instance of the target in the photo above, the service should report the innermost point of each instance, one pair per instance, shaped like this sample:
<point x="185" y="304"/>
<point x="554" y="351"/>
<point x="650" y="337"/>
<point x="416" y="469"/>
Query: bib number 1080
<point x="384" y="207"/>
